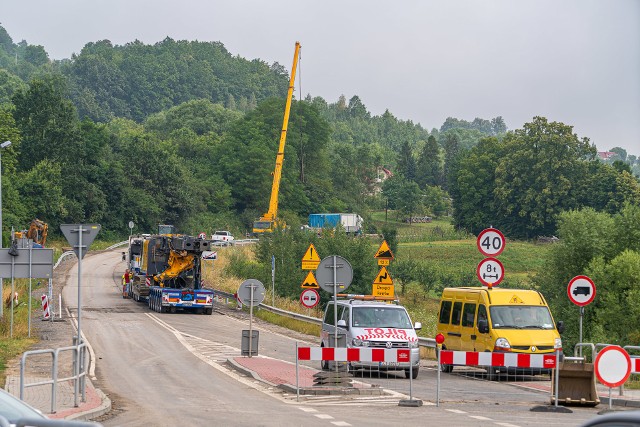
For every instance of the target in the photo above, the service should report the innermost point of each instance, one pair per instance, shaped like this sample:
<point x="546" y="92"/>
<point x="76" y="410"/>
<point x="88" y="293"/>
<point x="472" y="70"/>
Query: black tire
<point x="408" y="373"/>
<point x="208" y="310"/>
<point x="446" y="368"/>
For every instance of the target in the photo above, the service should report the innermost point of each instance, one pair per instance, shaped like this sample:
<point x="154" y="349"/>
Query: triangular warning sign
<point x="383" y="277"/>
<point x="311" y="259"/>
<point x="311" y="254"/>
<point x="515" y="300"/>
<point x="310" y="282"/>
<point x="384" y="251"/>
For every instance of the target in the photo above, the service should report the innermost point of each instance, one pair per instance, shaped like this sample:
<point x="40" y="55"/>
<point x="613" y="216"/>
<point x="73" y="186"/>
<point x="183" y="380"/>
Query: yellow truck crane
<point x="269" y="221"/>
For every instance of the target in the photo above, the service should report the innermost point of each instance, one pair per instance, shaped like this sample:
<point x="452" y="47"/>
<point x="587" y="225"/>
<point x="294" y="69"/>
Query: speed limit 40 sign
<point x="491" y="242"/>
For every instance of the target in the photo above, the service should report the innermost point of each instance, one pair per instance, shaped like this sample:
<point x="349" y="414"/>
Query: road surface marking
<point x="323" y="416"/>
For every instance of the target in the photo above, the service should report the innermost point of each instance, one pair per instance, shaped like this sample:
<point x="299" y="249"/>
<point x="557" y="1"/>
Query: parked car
<point x="13" y="409"/>
<point x="222" y="238"/>
<point x="615" y="419"/>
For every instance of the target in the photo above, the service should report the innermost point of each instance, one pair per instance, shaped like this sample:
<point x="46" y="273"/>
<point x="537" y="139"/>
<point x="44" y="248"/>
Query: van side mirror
<point x="417" y="326"/>
<point x="483" y="326"/>
<point x="342" y="323"/>
<point x="560" y="327"/>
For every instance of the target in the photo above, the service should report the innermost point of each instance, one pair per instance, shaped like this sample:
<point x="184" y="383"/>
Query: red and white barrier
<point x="354" y="354"/>
<point x="46" y="314"/>
<point x="507" y="360"/>
<point x="635" y="365"/>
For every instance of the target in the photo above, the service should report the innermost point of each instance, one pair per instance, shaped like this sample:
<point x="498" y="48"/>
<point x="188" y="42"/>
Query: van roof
<point x="500" y="296"/>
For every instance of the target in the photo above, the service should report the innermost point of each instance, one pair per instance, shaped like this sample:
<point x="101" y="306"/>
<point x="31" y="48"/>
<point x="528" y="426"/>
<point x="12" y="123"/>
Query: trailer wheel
<point x="208" y="310"/>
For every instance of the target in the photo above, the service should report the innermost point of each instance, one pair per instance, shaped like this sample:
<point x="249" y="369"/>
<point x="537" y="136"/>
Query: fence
<point x="79" y="365"/>
<point x="369" y="359"/>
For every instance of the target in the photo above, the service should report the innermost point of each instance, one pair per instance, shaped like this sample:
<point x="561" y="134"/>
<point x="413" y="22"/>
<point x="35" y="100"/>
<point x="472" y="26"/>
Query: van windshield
<point x="381" y="317"/>
<point x="520" y="317"/>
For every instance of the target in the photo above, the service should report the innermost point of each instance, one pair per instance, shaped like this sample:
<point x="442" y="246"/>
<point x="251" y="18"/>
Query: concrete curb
<point x="90" y="414"/>
<point x="238" y="367"/>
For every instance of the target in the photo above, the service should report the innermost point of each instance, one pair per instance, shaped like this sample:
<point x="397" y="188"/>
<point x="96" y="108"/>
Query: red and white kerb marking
<point x="507" y="360"/>
<point x="147" y="281"/>
<point x="342" y="354"/>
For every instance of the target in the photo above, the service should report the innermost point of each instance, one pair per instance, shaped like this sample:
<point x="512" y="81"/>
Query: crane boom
<point x="269" y="221"/>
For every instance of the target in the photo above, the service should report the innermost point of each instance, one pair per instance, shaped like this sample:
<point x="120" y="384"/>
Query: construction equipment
<point x="37" y="232"/>
<point x="167" y="272"/>
<point x="269" y="221"/>
<point x="576" y="380"/>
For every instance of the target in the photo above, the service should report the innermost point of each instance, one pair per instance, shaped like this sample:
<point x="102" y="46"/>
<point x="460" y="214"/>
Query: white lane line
<point x="480" y="417"/>
<point x="507" y="425"/>
<point x="340" y="423"/>
<point x="305" y="409"/>
<point x="456" y="411"/>
<point x="323" y="416"/>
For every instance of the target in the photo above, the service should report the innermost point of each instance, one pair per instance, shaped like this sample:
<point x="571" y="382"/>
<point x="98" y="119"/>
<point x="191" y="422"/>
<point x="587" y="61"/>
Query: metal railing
<point x="80" y="356"/>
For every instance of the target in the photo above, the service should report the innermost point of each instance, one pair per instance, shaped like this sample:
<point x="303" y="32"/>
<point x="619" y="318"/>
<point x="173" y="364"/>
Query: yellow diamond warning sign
<point x="384" y="252"/>
<point x="310" y="282"/>
<point x="383" y="277"/>
<point x="311" y="259"/>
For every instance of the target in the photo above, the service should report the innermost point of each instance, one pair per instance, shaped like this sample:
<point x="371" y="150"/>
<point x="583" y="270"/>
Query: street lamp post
<point x="3" y="145"/>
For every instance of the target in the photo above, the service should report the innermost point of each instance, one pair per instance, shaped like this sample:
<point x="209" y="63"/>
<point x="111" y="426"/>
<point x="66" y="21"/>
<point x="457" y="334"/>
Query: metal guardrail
<point x="423" y="342"/>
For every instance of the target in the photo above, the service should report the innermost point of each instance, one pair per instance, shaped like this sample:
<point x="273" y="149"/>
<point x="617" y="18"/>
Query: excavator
<point x="37" y="232"/>
<point x="268" y="222"/>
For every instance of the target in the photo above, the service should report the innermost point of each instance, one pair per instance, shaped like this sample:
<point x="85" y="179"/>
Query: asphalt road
<point x="169" y="369"/>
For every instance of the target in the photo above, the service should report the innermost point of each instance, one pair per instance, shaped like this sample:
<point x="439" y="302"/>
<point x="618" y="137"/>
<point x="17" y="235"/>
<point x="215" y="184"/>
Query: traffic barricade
<point x="345" y="355"/>
<point x="526" y="364"/>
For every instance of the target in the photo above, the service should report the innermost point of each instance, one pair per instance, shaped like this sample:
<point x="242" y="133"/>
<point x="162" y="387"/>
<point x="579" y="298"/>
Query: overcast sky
<point x="574" y="61"/>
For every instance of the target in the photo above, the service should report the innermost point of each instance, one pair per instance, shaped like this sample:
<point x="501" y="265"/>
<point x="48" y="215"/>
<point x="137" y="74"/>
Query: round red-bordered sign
<point x="490" y="270"/>
<point x="581" y="290"/>
<point x="613" y="366"/>
<point x="309" y="298"/>
<point x="491" y="242"/>
<point x="202" y="236"/>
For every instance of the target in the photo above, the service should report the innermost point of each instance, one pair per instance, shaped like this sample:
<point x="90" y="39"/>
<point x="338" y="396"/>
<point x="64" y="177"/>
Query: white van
<point x="368" y="323"/>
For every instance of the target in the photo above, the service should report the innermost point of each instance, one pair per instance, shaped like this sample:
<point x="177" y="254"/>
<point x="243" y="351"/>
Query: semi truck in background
<point x="166" y="272"/>
<point x="351" y="222"/>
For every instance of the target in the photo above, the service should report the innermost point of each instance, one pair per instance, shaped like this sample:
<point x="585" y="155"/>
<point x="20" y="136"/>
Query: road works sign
<point x="384" y="254"/>
<point x="581" y="290"/>
<point x="310" y="282"/>
<point x="311" y="259"/>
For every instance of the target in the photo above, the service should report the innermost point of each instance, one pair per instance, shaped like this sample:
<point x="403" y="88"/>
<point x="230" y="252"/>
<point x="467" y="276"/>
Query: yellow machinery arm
<point x="178" y="262"/>
<point x="271" y="216"/>
<point x="37" y="232"/>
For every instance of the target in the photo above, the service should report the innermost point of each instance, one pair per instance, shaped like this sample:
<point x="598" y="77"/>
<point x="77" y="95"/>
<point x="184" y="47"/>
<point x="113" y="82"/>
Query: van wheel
<point x="324" y="365"/>
<point x="408" y="373"/>
<point x="446" y="368"/>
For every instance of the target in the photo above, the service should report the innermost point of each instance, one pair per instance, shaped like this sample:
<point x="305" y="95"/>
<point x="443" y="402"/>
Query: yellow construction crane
<point x="269" y="221"/>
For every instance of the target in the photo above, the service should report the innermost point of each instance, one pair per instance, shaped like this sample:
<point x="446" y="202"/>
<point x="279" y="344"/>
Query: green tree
<point x="536" y="176"/>
<point x="428" y="164"/>
<point x="406" y="162"/>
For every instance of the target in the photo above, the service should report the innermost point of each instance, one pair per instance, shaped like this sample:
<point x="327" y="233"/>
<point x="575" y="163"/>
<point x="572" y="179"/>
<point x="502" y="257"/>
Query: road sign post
<point x="581" y="291"/>
<point x="251" y="292"/>
<point x="80" y="237"/>
<point x="612" y="367"/>
<point x="334" y="272"/>
<point x="491" y="242"/>
<point x="309" y="298"/>
<point x="490" y="271"/>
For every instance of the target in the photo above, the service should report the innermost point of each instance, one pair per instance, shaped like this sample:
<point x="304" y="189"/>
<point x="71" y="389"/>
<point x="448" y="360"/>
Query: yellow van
<point x="497" y="320"/>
